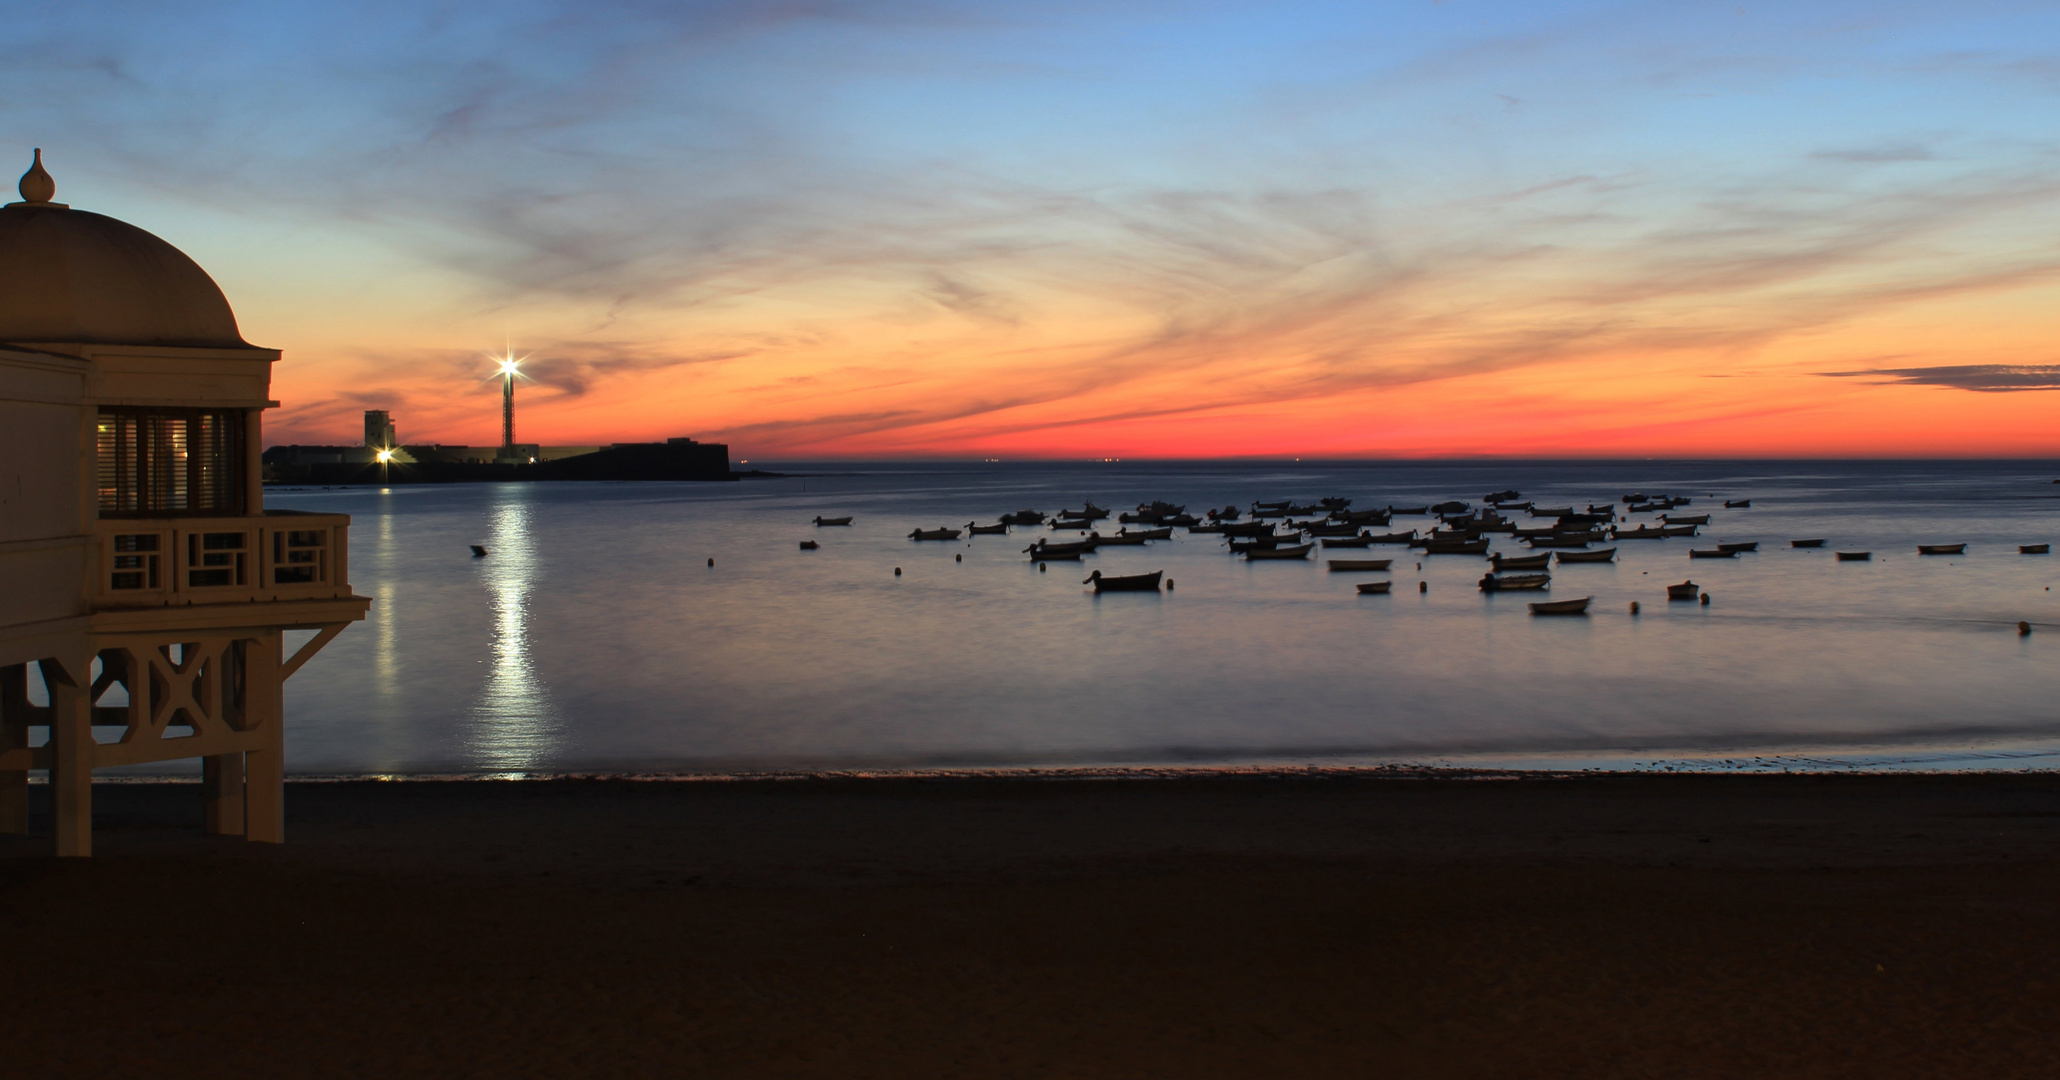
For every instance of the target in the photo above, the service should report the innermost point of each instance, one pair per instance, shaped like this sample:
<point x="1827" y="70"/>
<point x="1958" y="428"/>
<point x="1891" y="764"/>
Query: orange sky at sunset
<point x="963" y="229"/>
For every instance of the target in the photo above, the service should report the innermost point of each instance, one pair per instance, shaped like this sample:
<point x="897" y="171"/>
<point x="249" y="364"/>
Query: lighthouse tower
<point x="144" y="589"/>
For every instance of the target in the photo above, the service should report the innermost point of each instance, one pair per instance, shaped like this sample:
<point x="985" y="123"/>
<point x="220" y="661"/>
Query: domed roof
<point x="80" y="278"/>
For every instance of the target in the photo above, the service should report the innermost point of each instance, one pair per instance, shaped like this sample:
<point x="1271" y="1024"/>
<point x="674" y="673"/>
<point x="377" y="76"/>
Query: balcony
<point x="174" y="561"/>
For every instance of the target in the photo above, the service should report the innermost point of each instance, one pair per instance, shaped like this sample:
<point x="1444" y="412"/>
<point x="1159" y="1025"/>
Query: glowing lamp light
<point x="385" y="456"/>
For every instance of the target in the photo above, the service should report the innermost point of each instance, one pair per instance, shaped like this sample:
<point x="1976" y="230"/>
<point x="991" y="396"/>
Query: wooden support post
<point x="221" y="779"/>
<point x="14" y="735"/>
<point x="264" y="705"/>
<point x="71" y="759"/>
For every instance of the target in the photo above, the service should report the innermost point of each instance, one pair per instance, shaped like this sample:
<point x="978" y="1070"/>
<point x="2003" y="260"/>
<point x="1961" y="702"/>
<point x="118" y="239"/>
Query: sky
<point x="902" y="228"/>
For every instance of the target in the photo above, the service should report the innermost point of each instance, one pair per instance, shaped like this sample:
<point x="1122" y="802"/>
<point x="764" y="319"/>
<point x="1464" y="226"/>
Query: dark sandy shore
<point x="1647" y="926"/>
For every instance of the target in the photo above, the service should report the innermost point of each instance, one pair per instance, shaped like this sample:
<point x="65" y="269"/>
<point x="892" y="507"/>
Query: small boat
<point x="1817" y="542"/>
<point x="1456" y="547"/>
<point x="1188" y="520"/>
<point x="1640" y="533"/>
<point x="1561" y="607"/>
<point x="1162" y="533"/>
<point x="1415" y="511"/>
<point x="1690" y="519"/>
<point x="1124" y="539"/>
<point x="1271" y="505"/>
<point x="1023" y="517"/>
<point x="1360" y="564"/>
<point x="1679" y="530"/>
<point x="1144" y="517"/>
<point x="1345" y="529"/>
<point x="1684" y="591"/>
<point x="1750" y="545"/>
<point x="934" y="534"/>
<point x="1130" y="583"/>
<point x="478" y="552"/>
<point x="1637" y="498"/>
<point x="1072" y="555"/>
<point x="1001" y="529"/>
<point x="1598" y="555"/>
<point x="1257" y="543"/>
<point x="1369" y="587"/>
<point x="1551" y="511"/>
<point x="1047" y="550"/>
<point x="1508" y="495"/>
<point x="1363" y="517"/>
<point x="821" y="521"/>
<point x="2034" y="549"/>
<point x="1299" y="551"/>
<point x="1740" y="504"/>
<point x="1249" y="528"/>
<point x="1091" y="513"/>
<point x="1524" y="562"/>
<point x="809" y="545"/>
<point x="1347" y="541"/>
<point x="1510" y="582"/>
<point x="1855" y="556"/>
<point x="1941" y="549"/>
<point x="1453" y="507"/>
<point x="1558" y="541"/>
<point x="1390" y="538"/>
<point x="1711" y="553"/>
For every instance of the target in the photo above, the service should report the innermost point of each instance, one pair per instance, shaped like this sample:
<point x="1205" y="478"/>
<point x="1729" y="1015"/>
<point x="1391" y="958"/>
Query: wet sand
<point x="1635" y="926"/>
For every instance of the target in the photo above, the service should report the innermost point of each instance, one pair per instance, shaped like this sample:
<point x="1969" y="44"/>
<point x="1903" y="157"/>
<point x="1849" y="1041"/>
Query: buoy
<point x="1040" y="568"/>
<point x="711" y="562"/>
<point x="2024" y="629"/>
<point x="1423" y="586"/>
<point x="958" y="558"/>
<point x="1634" y="607"/>
<point x="897" y="571"/>
<point x="1705" y="599"/>
<point x="1169" y="584"/>
<point x="478" y="552"/>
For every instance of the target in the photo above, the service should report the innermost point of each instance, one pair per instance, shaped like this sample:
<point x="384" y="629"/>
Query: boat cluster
<point x="1286" y="530"/>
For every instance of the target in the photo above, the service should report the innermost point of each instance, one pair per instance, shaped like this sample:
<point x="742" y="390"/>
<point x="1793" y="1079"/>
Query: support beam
<point x="221" y="780"/>
<point x="264" y="705"/>
<point x="14" y="735"/>
<point x="307" y="652"/>
<point x="71" y="762"/>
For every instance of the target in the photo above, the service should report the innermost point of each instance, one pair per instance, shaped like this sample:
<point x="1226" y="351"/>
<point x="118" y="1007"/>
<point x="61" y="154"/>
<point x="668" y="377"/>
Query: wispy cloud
<point x="1986" y="378"/>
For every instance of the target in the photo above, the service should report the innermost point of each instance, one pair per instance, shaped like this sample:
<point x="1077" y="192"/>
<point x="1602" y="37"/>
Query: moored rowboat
<point x="1526" y="562"/>
<point x="1129" y="583"/>
<point x="1508" y="582"/>
<point x="1816" y="543"/>
<point x="1684" y="591"/>
<point x="1366" y="587"/>
<point x="1360" y="564"/>
<point x="1855" y="556"/>
<point x="1561" y="607"/>
<point x="833" y="521"/>
<point x="1598" y="555"/>
<point x="1711" y="553"/>
<point x="2034" y="549"/>
<point x="1299" y="551"/>
<point x="1941" y="549"/>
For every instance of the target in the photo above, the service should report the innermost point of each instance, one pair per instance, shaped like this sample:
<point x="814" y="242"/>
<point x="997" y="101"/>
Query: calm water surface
<point x="597" y="637"/>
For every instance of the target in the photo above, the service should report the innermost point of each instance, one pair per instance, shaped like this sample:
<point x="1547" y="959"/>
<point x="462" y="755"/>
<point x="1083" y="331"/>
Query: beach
<point x="1398" y="923"/>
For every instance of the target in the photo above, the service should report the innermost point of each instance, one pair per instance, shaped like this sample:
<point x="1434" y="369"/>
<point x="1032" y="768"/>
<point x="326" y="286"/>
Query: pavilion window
<point x="155" y="462"/>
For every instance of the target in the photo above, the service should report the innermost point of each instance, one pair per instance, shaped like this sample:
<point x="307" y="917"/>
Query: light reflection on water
<point x="513" y="723"/>
<point x="596" y="637"/>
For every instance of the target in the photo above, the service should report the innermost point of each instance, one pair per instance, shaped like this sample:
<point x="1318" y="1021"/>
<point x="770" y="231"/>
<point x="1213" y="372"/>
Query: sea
<point x="682" y="628"/>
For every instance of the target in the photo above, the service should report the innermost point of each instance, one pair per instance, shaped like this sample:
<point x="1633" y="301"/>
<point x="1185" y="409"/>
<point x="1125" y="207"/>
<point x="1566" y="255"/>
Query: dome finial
<point x="36" y="184"/>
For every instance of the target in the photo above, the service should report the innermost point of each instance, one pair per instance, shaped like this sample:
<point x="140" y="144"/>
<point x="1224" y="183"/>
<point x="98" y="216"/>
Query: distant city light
<point x="385" y="456"/>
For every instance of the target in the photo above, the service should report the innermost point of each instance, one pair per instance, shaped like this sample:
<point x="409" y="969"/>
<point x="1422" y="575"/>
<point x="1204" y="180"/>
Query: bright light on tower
<point x="385" y="456"/>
